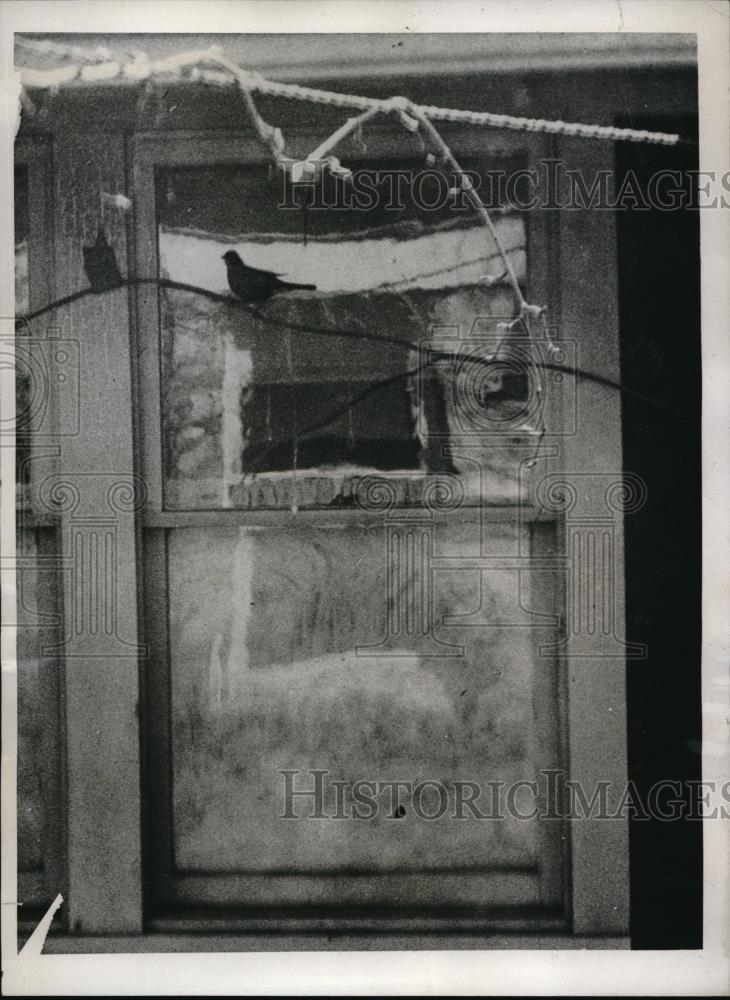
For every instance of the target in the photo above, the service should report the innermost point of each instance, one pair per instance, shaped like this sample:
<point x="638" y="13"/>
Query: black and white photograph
<point x="364" y="452"/>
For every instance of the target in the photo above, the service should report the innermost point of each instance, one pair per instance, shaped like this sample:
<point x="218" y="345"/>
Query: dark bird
<point x="249" y="284"/>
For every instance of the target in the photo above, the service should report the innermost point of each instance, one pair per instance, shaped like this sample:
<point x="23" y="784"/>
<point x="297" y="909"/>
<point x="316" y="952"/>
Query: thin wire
<point x="347" y="334"/>
<point x="58" y="303"/>
<point x="494" y="279"/>
<point x="411" y="229"/>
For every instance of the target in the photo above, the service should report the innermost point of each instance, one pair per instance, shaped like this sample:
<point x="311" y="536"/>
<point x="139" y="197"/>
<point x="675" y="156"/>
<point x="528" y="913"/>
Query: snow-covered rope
<point x="212" y="67"/>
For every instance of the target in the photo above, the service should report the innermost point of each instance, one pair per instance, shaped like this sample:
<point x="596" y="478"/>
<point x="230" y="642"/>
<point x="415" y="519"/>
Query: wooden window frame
<point x="188" y="890"/>
<point x="230" y="148"/>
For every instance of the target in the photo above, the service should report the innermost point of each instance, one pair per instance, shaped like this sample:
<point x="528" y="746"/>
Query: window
<point x="294" y="627"/>
<point x="40" y="869"/>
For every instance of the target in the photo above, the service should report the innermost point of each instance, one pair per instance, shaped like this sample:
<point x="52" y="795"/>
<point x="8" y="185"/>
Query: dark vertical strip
<point x="659" y="282"/>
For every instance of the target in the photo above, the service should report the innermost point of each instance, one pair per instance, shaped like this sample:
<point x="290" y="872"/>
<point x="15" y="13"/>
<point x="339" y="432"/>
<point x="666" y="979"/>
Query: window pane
<point x="305" y="384"/>
<point x="38" y="693"/>
<point x="270" y="633"/>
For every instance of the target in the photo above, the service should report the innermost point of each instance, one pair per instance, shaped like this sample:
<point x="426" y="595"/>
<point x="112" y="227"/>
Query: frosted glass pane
<point x="267" y="629"/>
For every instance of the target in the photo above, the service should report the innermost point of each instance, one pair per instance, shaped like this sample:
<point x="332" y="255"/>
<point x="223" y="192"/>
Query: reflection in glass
<point x="251" y="396"/>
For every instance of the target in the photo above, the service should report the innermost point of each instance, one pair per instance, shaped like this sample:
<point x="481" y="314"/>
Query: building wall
<point x="93" y="137"/>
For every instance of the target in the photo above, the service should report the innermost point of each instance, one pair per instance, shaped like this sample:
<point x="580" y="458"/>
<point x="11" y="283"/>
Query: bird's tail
<point x="301" y="288"/>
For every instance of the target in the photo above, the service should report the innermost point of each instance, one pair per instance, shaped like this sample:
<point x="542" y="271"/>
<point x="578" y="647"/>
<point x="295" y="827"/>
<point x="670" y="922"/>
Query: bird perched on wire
<point x="249" y="284"/>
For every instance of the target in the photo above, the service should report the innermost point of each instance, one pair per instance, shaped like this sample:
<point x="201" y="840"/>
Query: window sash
<point x="150" y="153"/>
<point x="536" y="897"/>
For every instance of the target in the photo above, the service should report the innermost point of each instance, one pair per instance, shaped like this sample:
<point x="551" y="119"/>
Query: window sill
<point x="160" y="942"/>
<point x="498" y="479"/>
